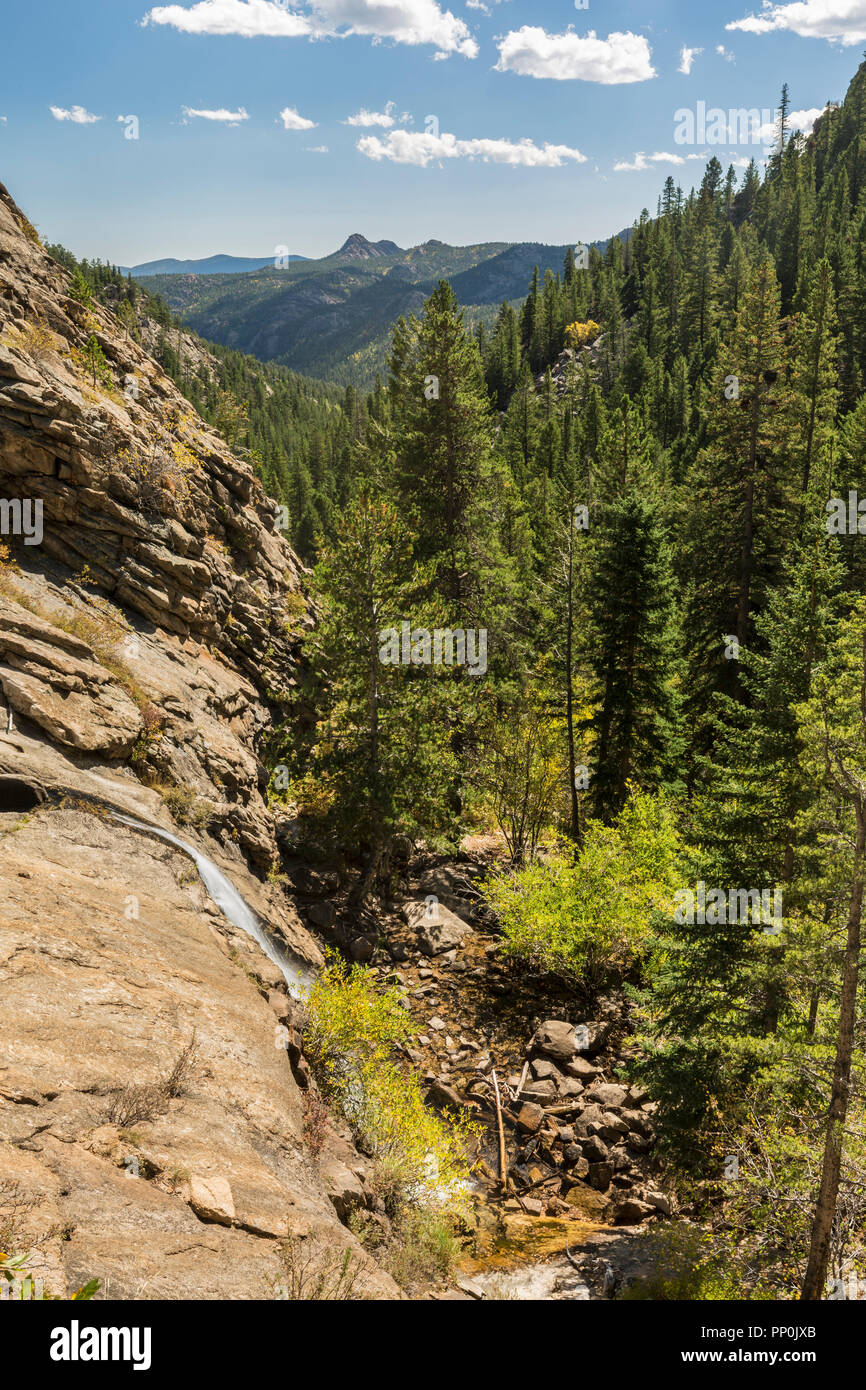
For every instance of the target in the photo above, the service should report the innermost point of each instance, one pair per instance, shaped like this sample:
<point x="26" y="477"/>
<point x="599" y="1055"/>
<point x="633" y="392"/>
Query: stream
<point x="296" y="974"/>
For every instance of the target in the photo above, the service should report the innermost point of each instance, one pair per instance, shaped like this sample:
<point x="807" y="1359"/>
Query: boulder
<point x="442" y="1095"/>
<point x="589" y="1202"/>
<point x="612" y="1127"/>
<point x="569" y="1087"/>
<point x="588" y="1121"/>
<point x="582" y="1070"/>
<point x="544" y="1092"/>
<point x="631" y="1212"/>
<point x="543" y="1069"/>
<point x="529" y="1117"/>
<point x="211" y="1199"/>
<point x="660" y="1201"/>
<point x="321" y="914"/>
<point x="639" y="1144"/>
<point x="437" y="933"/>
<point x="575" y="1161"/>
<point x="608" y="1094"/>
<point x="595" y="1150"/>
<point x="555" y="1038"/>
<point x="639" y="1122"/>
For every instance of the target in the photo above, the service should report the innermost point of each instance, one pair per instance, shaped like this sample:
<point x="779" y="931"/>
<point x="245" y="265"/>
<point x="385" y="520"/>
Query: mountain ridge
<point x="220" y="264"/>
<point x="332" y="318"/>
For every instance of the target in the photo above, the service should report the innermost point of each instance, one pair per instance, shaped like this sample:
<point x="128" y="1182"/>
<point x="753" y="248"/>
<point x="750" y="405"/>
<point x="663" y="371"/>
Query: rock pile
<point x="579" y="1139"/>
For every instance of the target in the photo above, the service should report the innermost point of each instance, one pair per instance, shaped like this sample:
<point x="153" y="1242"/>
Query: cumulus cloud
<point x="316" y="149"/>
<point x="405" y="21"/>
<point x="77" y="114"/>
<point x="842" y="21"/>
<point x="370" y="118"/>
<point x="421" y="148"/>
<point x="293" y="121"/>
<point x="645" y="161"/>
<point x="804" y="121"/>
<point x="532" y="52"/>
<point x="221" y="115"/>
<point x="687" y="58"/>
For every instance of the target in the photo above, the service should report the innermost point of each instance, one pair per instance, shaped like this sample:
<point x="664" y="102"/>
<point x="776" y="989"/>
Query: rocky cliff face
<point x="146" y="636"/>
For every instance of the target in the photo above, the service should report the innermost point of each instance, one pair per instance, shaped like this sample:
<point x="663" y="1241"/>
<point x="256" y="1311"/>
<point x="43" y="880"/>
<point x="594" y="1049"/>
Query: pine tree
<point x="441" y="434"/>
<point x="634" y="725"/>
<point x="814" y="375"/>
<point x="378" y="754"/>
<point x="738" y="498"/>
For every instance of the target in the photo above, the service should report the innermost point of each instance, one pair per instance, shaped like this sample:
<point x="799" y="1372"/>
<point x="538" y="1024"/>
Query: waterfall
<point x="227" y="898"/>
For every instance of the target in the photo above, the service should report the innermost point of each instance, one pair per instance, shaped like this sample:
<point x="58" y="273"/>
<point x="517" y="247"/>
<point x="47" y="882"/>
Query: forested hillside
<point x="666" y="724"/>
<point x="333" y="317"/>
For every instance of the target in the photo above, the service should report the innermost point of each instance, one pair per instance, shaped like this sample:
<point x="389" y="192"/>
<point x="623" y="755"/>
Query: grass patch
<point x="313" y="1271"/>
<point x="186" y="806"/>
<point x="138" y="1103"/>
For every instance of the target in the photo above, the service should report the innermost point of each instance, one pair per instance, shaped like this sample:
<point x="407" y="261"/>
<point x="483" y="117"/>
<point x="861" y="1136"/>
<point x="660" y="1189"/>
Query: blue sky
<point x="458" y="89"/>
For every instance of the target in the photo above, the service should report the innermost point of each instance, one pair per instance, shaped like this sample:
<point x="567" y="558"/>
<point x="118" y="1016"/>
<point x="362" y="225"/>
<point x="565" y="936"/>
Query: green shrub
<point x="579" y="918"/>
<point x="353" y="1030"/>
<point x="690" y="1266"/>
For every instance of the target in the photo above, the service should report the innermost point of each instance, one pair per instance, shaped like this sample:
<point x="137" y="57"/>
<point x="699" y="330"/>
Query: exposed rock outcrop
<point x="146" y="640"/>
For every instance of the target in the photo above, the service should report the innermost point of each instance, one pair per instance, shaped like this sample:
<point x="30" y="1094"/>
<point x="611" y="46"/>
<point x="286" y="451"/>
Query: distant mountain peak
<point x="359" y="247"/>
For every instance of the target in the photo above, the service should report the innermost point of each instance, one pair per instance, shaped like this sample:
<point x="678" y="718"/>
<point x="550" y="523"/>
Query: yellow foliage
<point x="354" y="1028"/>
<point x="579" y="334"/>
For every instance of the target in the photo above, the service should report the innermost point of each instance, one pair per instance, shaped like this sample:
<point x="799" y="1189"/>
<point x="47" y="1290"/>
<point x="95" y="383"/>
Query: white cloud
<point x="369" y="118"/>
<point x="645" y="161"/>
<point x="221" y="115"/>
<point x="77" y="114"/>
<point x="293" y="121"/>
<point x="642" y="162"/>
<point x="835" y="20"/>
<point x="804" y="121"/>
<point x="2" y="120"/>
<point x="687" y="58"/>
<point x="532" y="52"/>
<point x="405" y="21"/>
<point x="421" y="148"/>
<point x="725" y="53"/>
<point x="316" y="149"/>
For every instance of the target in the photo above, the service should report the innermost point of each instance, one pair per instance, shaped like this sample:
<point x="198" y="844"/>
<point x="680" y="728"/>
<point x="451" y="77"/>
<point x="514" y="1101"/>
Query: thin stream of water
<point x="296" y="974"/>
